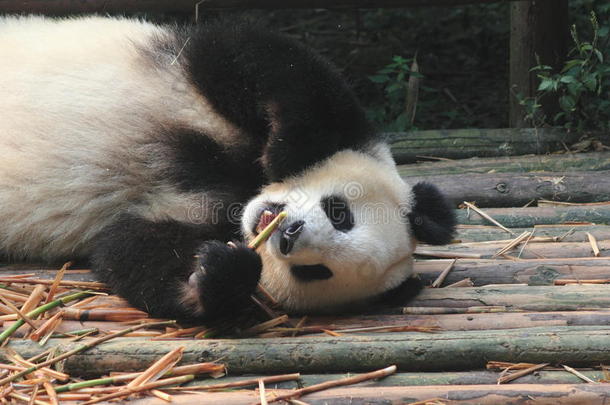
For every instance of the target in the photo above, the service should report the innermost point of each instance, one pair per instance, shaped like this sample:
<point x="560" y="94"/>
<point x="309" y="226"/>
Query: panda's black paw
<point x="223" y="280"/>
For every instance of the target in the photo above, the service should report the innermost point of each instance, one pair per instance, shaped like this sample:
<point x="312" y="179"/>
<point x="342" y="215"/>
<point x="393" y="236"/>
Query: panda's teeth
<point x="265" y="219"/>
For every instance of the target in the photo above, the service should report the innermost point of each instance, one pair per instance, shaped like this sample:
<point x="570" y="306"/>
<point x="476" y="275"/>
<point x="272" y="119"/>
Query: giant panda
<point x="146" y="148"/>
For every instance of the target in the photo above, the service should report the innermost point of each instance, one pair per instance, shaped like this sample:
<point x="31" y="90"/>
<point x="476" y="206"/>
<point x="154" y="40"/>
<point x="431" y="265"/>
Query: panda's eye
<point x="338" y="212"/>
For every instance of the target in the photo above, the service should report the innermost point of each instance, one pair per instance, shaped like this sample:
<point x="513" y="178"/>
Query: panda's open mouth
<point x="267" y="215"/>
<point x="311" y="272"/>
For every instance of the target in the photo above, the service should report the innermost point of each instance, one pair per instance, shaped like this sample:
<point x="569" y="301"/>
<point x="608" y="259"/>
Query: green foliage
<point x="393" y="80"/>
<point x="582" y="86"/>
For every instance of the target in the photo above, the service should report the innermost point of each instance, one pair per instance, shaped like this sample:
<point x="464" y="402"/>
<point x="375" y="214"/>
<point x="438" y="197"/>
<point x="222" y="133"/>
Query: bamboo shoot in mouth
<point x="269" y="222"/>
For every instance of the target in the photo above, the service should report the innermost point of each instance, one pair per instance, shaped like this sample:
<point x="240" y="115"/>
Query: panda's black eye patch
<point x="338" y="212"/>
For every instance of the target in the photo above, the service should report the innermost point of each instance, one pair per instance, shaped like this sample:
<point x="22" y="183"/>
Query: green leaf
<point x="379" y="78"/>
<point x="599" y="55"/>
<point x="555" y="85"/>
<point x="541" y="67"/>
<point x="394" y="87"/>
<point x="586" y="46"/>
<point x="591" y="83"/>
<point x="567" y="103"/>
<point x="575" y="89"/>
<point x="558" y="116"/>
<point x="567" y="79"/>
<point x="570" y="64"/>
<point x="546" y="85"/>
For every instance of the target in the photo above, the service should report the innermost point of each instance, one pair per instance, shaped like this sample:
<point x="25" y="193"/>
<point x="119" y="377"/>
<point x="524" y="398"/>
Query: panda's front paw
<point x="223" y="280"/>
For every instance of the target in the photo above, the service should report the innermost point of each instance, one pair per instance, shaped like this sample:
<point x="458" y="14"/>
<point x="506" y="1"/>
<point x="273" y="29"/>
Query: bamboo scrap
<point x="90" y="285"/>
<point x="262" y="393"/>
<point x="513" y="376"/>
<point x="26" y="365"/>
<point x="337" y="383"/>
<point x="124" y="392"/>
<point x="487" y="217"/>
<point x="42" y="309"/>
<point x="467" y="282"/>
<point x="242" y="383"/>
<point x="47" y="328"/>
<point x="17" y="311"/>
<point x="34" y="299"/>
<point x="158" y="368"/>
<point x="594" y="245"/>
<point x="579" y="374"/>
<point x="441" y="277"/>
<point x="255" y="330"/>
<point x="79" y="349"/>
<point x="56" y="282"/>
<point x="512" y="244"/>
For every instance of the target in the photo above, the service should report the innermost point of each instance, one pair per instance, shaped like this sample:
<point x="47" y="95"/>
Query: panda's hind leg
<point x="171" y="269"/>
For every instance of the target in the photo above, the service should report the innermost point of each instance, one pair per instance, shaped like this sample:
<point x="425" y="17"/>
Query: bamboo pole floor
<point x="519" y="315"/>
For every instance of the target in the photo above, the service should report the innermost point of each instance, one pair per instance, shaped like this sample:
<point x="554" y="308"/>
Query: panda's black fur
<point x="259" y="80"/>
<point x="292" y="111"/>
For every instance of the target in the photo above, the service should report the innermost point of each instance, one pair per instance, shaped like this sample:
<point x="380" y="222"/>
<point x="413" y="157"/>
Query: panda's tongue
<point x="265" y="219"/>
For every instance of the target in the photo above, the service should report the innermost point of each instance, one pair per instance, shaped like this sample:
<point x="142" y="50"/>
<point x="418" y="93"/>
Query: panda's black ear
<point x="432" y="218"/>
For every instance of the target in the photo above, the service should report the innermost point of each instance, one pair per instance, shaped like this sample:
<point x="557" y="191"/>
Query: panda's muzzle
<point x="290" y="235"/>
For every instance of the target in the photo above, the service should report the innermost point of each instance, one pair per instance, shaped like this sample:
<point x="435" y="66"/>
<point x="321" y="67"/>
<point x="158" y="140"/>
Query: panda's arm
<point x="295" y="107"/>
<point x="171" y="269"/>
<point x="432" y="218"/>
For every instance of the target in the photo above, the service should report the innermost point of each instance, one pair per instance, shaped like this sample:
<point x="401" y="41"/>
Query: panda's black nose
<point x="290" y="235"/>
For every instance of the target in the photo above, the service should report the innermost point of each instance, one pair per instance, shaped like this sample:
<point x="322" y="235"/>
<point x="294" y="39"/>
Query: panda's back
<point x="85" y="108"/>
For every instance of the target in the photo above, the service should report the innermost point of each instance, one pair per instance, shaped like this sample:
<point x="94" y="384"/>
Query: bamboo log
<point x="532" y="272"/>
<point x="578" y="346"/>
<point x="444" y="322"/>
<point x="571" y="162"/>
<point x="528" y="298"/>
<point x="425" y="378"/>
<point x="570" y="233"/>
<point x="530" y="251"/>
<point x="517" y="189"/>
<point x="465" y="143"/>
<point x="530" y="216"/>
<point x="525" y="394"/>
<point x="475" y="321"/>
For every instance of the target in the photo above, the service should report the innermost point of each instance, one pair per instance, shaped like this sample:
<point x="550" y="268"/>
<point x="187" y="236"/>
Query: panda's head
<point x="350" y="231"/>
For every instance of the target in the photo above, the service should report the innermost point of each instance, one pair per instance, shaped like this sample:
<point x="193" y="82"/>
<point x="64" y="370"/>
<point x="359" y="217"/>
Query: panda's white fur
<point x="119" y="139"/>
<point x="75" y="133"/>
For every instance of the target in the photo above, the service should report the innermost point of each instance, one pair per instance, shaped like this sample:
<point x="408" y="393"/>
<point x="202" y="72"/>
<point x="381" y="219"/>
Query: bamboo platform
<point x="519" y="315"/>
